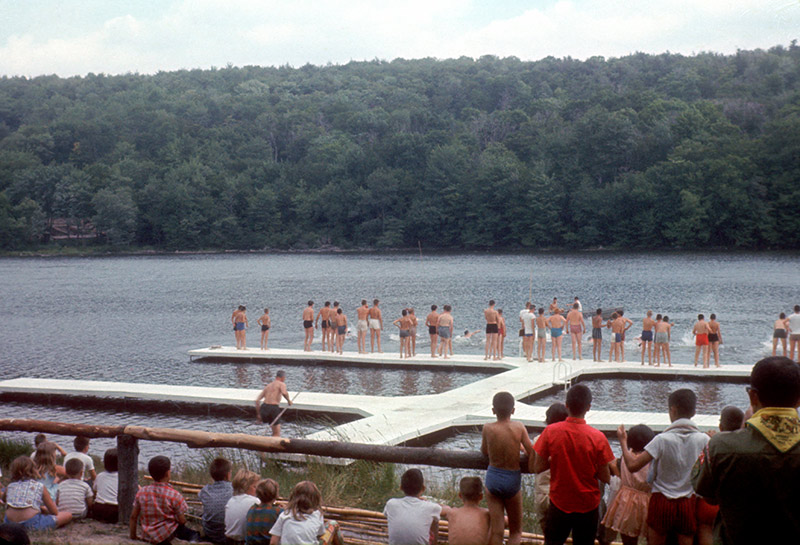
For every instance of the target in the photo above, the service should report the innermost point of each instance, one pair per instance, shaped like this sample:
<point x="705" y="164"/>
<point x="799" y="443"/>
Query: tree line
<point x="643" y="151"/>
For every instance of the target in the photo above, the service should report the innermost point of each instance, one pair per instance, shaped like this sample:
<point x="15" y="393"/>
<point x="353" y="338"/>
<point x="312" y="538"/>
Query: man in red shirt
<point x="577" y="456"/>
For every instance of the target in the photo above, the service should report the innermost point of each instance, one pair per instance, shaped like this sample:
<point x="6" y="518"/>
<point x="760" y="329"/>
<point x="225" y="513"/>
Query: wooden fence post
<point x="128" y="456"/>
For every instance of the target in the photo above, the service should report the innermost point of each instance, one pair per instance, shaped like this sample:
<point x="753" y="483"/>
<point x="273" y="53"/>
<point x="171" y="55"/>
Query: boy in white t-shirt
<point x="74" y="495"/>
<point x="244" y="497"/>
<point x="81" y="445"/>
<point x="412" y="520"/>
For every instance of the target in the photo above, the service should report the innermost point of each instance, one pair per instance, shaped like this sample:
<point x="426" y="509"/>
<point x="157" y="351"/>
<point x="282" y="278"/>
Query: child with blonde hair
<point x="244" y="490"/>
<point x="302" y="523"/>
<point x="44" y="460"/>
<point x="28" y="503"/>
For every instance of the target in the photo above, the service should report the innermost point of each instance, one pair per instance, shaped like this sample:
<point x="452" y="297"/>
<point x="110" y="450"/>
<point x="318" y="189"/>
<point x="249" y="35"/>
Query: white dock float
<point x="464" y="362"/>
<point x="395" y="420"/>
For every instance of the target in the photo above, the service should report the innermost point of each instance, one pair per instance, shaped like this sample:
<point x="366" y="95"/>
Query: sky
<point x="76" y="37"/>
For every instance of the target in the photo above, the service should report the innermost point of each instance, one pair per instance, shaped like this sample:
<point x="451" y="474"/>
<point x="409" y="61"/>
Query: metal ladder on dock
<point x="561" y="374"/>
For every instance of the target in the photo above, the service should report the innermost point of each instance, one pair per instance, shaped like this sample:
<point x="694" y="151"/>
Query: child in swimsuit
<point x="501" y="442"/>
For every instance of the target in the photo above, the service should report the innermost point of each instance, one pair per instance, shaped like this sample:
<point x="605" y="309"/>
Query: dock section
<point x="396" y="420"/>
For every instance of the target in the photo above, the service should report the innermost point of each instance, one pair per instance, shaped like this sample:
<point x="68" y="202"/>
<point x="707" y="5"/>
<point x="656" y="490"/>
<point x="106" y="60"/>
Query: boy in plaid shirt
<point x="159" y="509"/>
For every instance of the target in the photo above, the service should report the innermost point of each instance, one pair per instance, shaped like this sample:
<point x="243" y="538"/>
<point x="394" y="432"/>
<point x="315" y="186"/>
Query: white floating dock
<point x="395" y="420"/>
<point x="465" y="362"/>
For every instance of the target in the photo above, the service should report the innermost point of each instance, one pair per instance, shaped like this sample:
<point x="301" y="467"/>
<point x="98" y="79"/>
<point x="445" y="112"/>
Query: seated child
<point x="412" y="520"/>
<point x="627" y="513"/>
<point x="74" y="495"/>
<point x="468" y="525"/>
<point x="501" y="443"/>
<point x="261" y="517"/>
<point x="41" y="438"/>
<point x="244" y="489"/>
<point x="302" y="522"/>
<point x="159" y="509"/>
<point x="81" y="445"/>
<point x="214" y="497"/>
<point x="105" y="508"/>
<point x="44" y="461"/>
<point x="28" y="502"/>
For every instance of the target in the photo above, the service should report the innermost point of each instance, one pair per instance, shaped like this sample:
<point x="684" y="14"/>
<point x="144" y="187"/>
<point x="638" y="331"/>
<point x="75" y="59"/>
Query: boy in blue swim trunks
<point x="501" y="443"/>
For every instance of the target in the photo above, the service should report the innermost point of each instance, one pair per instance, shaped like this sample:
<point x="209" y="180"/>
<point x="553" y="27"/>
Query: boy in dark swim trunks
<point x="501" y="443"/>
<point x="264" y="322"/>
<point x="270" y="409"/>
<point x="308" y="326"/>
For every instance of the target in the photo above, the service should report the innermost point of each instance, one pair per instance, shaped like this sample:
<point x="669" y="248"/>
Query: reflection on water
<point x="651" y="395"/>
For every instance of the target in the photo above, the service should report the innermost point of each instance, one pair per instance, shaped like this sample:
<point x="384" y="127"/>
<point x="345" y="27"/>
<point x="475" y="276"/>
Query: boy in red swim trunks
<point x="700" y="332"/>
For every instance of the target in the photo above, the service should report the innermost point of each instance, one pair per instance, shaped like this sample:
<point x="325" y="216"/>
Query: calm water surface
<point x="134" y="318"/>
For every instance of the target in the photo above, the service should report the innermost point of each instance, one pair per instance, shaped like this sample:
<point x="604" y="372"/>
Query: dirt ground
<point x="88" y="532"/>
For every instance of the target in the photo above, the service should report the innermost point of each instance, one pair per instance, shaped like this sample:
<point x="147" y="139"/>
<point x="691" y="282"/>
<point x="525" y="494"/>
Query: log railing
<point x="128" y="437"/>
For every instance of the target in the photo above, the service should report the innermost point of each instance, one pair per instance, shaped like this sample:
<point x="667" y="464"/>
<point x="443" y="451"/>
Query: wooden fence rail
<point x="128" y="437"/>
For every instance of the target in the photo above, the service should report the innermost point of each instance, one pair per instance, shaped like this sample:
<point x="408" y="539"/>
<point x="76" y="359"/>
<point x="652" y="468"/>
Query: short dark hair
<point x="731" y="418"/>
<point x="434" y="307"/>
<point x="599" y="311"/>
<point x="74" y="467"/>
<point x="111" y="460"/>
<point x="639" y="436"/>
<point x="15" y="534"/>
<point x="448" y="308"/>
<point x="159" y="467"/>
<point x="620" y="312"/>
<point x="503" y="404"/>
<point x="541" y="310"/>
<point x="220" y="469"/>
<point x="797" y="308"/>
<point x="777" y="381"/>
<point x="783" y="315"/>
<point x="471" y="488"/>
<point x="700" y="317"/>
<point x="684" y="401"/>
<point x="713" y="316"/>
<point x="336" y="303"/>
<point x="579" y="399"/>
<point x="666" y="318"/>
<point x="267" y="490"/>
<point x="491" y="302"/>
<point x="404" y="312"/>
<point x="310" y="302"/>
<point x="375" y="301"/>
<point x="80" y="442"/>
<point x="575" y="305"/>
<point x="363" y="301"/>
<point x="280" y="374"/>
<point x="327" y="304"/>
<point x="412" y="482"/>
<point x="658" y="316"/>
<point x="557" y="412"/>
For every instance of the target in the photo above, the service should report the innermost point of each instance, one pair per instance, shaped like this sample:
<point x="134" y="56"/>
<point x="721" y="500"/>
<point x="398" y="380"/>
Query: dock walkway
<point x="395" y="420"/>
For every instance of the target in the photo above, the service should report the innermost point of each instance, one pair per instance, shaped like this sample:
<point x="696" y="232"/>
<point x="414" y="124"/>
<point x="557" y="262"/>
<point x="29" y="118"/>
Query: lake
<point x="134" y="318"/>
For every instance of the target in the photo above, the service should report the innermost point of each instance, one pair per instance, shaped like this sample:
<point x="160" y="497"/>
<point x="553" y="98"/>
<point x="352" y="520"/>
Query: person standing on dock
<point x="323" y="316"/>
<point x="239" y="320"/>
<point x="779" y="332"/>
<point x="526" y="320"/>
<point x="501" y="332"/>
<point x="541" y="334"/>
<point x="308" y="326"/>
<point x="577" y="327"/>
<point x="362" y="326"/>
<point x="375" y="326"/>
<point x="404" y="323"/>
<point x="445" y="332"/>
<point x="264" y="322"/>
<point x="700" y="332"/>
<point x="413" y="330"/>
<point x="714" y="339"/>
<point x="794" y="333"/>
<point x="490" y="314"/>
<point x="578" y="302"/>
<point x="432" y="321"/>
<point x="556" y="324"/>
<point x="647" y="337"/>
<point x="270" y="411"/>
<point x="341" y="329"/>
<point x="333" y="328"/>
<point x="619" y="326"/>
<point x="597" y="335"/>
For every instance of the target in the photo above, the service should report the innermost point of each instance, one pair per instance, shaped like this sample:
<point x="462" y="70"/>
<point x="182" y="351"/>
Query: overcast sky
<point x="75" y="37"/>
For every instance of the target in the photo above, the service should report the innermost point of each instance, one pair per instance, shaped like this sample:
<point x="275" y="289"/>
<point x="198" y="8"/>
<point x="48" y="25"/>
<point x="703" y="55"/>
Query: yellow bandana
<point x="779" y="425"/>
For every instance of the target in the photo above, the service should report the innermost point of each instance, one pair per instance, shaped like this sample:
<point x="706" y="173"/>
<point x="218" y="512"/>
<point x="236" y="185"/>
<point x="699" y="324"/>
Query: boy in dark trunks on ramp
<point x="271" y="395"/>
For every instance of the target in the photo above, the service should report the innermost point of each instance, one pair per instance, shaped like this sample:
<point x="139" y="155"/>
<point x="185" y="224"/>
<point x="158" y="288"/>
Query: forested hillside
<point x="645" y="151"/>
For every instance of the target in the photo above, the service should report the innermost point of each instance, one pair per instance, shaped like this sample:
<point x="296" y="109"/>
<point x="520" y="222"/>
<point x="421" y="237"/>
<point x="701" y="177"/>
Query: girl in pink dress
<point x="627" y="513"/>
